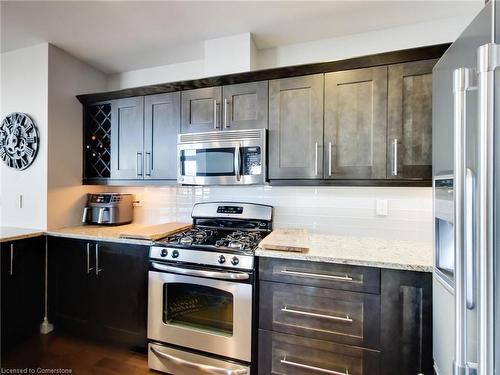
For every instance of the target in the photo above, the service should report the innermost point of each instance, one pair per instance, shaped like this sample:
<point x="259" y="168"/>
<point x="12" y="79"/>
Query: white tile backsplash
<point x="329" y="210"/>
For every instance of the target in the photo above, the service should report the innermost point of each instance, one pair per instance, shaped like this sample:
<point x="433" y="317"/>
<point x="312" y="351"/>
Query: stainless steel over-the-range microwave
<point x="232" y="157"/>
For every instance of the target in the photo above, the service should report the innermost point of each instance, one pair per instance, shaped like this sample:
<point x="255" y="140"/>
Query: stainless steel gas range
<point x="201" y="291"/>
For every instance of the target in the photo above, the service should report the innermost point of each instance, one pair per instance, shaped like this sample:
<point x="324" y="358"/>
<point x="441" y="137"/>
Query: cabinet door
<point x="296" y="128"/>
<point x="162" y="124"/>
<point x="409" y="142"/>
<point x="22" y="289"/>
<point x="120" y="293"/>
<point x="355" y="124"/>
<point x="71" y="265"/>
<point x="245" y="106"/>
<point x="127" y="131"/>
<point x="406" y="322"/>
<point x="201" y="110"/>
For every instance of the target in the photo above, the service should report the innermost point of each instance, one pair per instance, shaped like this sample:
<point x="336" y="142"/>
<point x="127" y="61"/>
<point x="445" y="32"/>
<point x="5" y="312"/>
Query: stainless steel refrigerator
<point x="466" y="170"/>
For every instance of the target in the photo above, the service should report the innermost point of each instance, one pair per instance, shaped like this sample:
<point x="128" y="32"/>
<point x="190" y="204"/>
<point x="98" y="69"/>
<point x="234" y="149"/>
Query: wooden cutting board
<point x="286" y="240"/>
<point x="155" y="232"/>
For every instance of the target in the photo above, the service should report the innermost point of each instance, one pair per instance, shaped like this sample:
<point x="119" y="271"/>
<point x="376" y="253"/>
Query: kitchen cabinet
<point x="245" y="106"/>
<point x="127" y="137"/>
<point x="320" y="317"/>
<point x="161" y="127"/>
<point x="99" y="289"/>
<point x="232" y="107"/>
<point x="22" y="289"/>
<point x="355" y="124"/>
<point x="406" y="324"/>
<point x="296" y="128"/>
<point x="409" y="135"/>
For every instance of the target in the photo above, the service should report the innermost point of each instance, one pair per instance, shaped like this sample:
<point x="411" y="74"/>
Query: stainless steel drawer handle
<point x="97" y="269"/>
<point x="88" y="259"/>
<point x="197" y="367"/>
<point x="316" y="315"/>
<point x="312" y="368"/>
<point x="317" y="275"/>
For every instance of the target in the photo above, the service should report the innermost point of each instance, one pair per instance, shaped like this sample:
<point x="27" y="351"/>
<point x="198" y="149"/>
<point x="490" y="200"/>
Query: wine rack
<point x="97" y="142"/>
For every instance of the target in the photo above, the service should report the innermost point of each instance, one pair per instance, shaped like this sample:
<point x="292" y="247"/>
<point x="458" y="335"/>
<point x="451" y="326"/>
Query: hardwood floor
<point x="78" y="355"/>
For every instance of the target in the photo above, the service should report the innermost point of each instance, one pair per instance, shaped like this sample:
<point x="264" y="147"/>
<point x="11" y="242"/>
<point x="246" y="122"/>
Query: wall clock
<point x="19" y="140"/>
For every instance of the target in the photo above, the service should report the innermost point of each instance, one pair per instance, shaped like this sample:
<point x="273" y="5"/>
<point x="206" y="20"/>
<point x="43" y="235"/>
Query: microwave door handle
<point x="237" y="162"/>
<point x="197" y="367"/>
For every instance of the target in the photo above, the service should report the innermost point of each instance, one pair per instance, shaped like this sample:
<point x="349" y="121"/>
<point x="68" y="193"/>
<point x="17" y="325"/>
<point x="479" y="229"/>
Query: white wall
<point x="67" y="78"/>
<point x="43" y="81"/>
<point x="24" y="87"/>
<point x="409" y="36"/>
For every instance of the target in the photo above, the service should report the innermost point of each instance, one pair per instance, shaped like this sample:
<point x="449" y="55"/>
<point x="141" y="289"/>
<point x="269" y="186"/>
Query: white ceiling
<point x="117" y="36"/>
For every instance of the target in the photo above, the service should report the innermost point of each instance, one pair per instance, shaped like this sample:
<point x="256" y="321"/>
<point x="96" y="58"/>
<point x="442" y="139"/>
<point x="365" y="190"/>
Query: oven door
<point x="229" y="162"/>
<point x="210" y="315"/>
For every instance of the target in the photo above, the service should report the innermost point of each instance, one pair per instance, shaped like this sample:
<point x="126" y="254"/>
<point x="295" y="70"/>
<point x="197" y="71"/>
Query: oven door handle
<point x="205" y="369"/>
<point x="202" y="273"/>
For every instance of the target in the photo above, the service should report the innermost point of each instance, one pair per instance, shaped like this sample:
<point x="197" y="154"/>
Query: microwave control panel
<point x="251" y="161"/>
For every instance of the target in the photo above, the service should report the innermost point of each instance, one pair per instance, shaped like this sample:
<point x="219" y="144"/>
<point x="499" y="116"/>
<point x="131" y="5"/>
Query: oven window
<point x="198" y="306"/>
<point x="208" y="162"/>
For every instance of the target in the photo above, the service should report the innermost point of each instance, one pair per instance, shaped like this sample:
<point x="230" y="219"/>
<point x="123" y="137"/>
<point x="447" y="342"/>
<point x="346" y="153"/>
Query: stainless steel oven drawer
<point x="179" y="362"/>
<point x="327" y="314"/>
<point x="325" y="275"/>
<point x="281" y="354"/>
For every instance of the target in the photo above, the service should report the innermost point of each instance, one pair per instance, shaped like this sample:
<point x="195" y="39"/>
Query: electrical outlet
<point x="381" y="207"/>
<point x="137" y="201"/>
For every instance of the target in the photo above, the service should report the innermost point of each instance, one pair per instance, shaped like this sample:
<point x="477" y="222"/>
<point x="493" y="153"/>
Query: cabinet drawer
<point x="326" y="314"/>
<point x="325" y="275"/>
<point x="292" y="355"/>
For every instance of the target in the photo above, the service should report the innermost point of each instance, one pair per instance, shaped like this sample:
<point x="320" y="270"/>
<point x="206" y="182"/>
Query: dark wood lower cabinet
<point x="22" y="289"/>
<point x="293" y="355"/>
<point x="380" y="322"/>
<point x="99" y="289"/>
<point x="406" y="324"/>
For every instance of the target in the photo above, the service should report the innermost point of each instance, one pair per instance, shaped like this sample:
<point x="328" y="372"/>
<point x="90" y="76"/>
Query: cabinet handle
<point x="312" y="368"/>
<point x="227" y="124"/>
<point x="317" y="275"/>
<point x="316" y="315"/>
<point x="215" y="115"/>
<point x="395" y="157"/>
<point x="97" y="269"/>
<point x="138" y="164"/>
<point x="149" y="163"/>
<point x="316" y="159"/>
<point x="329" y="158"/>
<point x="11" y="269"/>
<point x="88" y="259"/>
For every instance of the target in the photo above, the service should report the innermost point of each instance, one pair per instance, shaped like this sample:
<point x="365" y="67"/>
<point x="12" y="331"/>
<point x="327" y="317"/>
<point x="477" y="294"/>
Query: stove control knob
<point x="235" y="261"/>
<point x="222" y="259"/>
<point x="164" y="252"/>
<point x="175" y="254"/>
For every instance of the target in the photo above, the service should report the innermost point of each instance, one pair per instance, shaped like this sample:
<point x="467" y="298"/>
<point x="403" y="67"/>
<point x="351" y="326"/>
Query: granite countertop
<point x="13" y="234"/>
<point x="99" y="233"/>
<point x="362" y="251"/>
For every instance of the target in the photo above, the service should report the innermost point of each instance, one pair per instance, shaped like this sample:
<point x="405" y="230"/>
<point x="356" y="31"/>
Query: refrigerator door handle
<point x="461" y="84"/>
<point x="488" y="59"/>
<point x="470" y="248"/>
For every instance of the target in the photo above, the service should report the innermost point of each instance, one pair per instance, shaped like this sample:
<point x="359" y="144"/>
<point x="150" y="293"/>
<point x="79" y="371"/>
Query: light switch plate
<point x="381" y="207"/>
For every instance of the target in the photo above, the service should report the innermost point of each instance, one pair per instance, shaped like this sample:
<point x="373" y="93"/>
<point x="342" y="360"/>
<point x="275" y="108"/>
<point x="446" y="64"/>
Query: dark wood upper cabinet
<point x="355" y="124"/>
<point x="409" y="135"/>
<point x="296" y="128"/>
<point x="201" y="110"/>
<point x="245" y="106"/>
<point x="161" y="127"/>
<point x="127" y="138"/>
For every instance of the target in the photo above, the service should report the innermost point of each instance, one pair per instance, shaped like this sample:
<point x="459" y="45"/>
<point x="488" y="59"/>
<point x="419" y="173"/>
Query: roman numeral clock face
<point x="19" y="140"/>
